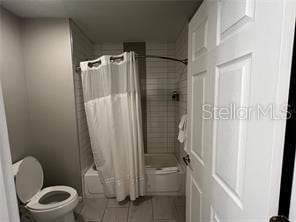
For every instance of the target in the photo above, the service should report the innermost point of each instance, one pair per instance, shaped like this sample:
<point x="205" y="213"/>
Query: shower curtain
<point x="113" y="109"/>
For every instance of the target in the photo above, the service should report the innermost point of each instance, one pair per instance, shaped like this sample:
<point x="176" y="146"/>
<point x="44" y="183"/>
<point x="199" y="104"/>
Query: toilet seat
<point x="29" y="181"/>
<point x="36" y="205"/>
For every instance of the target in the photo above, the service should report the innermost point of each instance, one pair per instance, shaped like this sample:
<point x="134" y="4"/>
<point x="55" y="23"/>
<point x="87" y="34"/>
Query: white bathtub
<point x="164" y="176"/>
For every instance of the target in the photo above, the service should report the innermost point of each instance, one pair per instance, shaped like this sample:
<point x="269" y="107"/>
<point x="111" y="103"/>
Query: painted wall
<point x="14" y="85"/>
<point x="37" y="81"/>
<point x="49" y="75"/>
<point x="108" y="49"/>
<point x="82" y="50"/>
<point x="8" y="204"/>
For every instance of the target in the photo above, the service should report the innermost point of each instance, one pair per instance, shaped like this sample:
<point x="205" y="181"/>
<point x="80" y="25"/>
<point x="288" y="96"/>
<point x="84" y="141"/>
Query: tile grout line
<point x="128" y="211"/>
<point x="152" y="209"/>
<point x="102" y="219"/>
<point x="176" y="209"/>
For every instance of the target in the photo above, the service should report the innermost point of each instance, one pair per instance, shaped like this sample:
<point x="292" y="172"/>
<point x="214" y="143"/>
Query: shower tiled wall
<point x="181" y="74"/>
<point x="82" y="49"/>
<point x="161" y="110"/>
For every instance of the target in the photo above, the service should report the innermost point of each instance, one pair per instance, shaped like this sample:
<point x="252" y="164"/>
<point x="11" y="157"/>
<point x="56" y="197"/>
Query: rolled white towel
<point x="183" y="121"/>
<point x="167" y="170"/>
<point x="181" y="136"/>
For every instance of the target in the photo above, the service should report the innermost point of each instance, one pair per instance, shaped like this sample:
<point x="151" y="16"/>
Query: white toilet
<point x="51" y="204"/>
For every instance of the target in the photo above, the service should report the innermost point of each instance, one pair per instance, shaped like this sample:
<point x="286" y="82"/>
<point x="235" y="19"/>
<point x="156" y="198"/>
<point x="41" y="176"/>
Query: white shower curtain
<point x="113" y="109"/>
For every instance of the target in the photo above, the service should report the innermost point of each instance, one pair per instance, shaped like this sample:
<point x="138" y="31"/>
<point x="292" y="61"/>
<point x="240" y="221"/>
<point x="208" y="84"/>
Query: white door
<point x="8" y="201"/>
<point x="239" y="56"/>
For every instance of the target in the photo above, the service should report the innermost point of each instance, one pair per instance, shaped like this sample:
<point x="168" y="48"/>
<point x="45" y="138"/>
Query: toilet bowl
<point x="50" y="204"/>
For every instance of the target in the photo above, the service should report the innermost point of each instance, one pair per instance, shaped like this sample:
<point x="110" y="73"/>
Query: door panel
<point x="232" y="16"/>
<point x="232" y="81"/>
<point x="195" y="201"/>
<point x="214" y="216"/>
<point x="234" y="64"/>
<point x="199" y="39"/>
<point x="198" y="91"/>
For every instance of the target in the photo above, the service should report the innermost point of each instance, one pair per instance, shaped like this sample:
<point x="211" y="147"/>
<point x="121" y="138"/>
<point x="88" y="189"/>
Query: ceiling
<point x="110" y="20"/>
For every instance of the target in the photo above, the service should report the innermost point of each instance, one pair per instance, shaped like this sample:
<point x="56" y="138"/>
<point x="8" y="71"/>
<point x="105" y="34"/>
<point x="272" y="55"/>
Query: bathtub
<point x="163" y="174"/>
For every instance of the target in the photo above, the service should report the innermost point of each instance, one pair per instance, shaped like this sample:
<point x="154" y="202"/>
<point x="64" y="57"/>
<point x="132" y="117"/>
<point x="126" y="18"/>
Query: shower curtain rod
<point x="184" y="61"/>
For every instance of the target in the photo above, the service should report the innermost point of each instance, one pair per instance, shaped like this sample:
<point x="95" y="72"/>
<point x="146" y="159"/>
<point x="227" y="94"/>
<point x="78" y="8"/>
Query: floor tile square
<point x="164" y="207"/>
<point x="114" y="203"/>
<point x="116" y="214"/>
<point x="141" y="211"/>
<point x="93" y="209"/>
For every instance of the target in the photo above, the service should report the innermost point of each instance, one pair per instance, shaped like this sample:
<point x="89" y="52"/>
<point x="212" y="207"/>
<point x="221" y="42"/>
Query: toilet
<point x="50" y="204"/>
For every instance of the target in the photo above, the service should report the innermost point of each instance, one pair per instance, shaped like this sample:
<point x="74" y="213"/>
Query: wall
<point x="14" y="86"/>
<point x="8" y="203"/>
<point x="181" y="73"/>
<point x="49" y="74"/>
<point x="108" y="49"/>
<point x="82" y="50"/>
<point x="9" y="47"/>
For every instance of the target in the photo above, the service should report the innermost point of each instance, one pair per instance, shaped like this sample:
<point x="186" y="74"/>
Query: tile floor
<point x="145" y="209"/>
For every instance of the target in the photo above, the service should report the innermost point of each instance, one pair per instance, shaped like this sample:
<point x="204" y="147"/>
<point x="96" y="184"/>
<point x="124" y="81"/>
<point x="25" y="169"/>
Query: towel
<point x="167" y="170"/>
<point x="183" y="121"/>
<point x="182" y="129"/>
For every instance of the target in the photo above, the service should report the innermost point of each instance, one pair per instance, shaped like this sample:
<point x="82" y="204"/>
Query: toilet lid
<point x="29" y="179"/>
